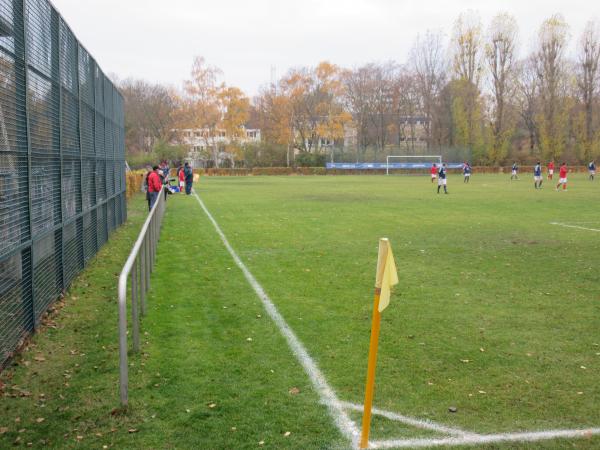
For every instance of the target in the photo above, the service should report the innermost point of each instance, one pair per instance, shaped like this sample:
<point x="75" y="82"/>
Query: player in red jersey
<point x="550" y="169"/>
<point x="434" y="172"/>
<point x="562" y="176"/>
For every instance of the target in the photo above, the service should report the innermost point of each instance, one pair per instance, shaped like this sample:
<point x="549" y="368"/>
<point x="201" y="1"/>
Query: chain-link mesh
<point x="62" y="163"/>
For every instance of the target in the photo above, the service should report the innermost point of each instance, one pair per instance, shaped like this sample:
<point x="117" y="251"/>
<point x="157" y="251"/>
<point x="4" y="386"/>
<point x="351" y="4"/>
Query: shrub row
<point x="134" y="180"/>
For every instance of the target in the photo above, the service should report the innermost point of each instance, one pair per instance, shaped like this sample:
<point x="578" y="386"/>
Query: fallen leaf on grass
<point x="40" y="419"/>
<point x="287" y="433"/>
<point x="212" y="405"/>
<point x="132" y="430"/>
<point x="582" y="367"/>
<point x="482" y="392"/>
<point x="233" y="428"/>
<point x="79" y="437"/>
<point x="294" y="390"/>
<point x="261" y="442"/>
<point x="3" y="430"/>
<point x="39" y="358"/>
<point x="465" y="361"/>
<point x="249" y="339"/>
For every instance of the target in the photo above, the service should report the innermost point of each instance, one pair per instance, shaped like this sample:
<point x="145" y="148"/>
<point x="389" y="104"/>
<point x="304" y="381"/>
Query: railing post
<point x="141" y="301"/>
<point x="135" y="320"/>
<point x="148" y="262"/>
<point x="123" y="369"/>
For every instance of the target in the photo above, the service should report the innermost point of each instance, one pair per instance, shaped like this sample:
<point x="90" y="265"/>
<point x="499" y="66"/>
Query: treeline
<point x="470" y="90"/>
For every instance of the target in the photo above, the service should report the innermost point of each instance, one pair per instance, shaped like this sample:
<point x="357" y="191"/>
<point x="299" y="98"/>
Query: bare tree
<point x="500" y="58"/>
<point x="381" y="106"/>
<point x="527" y="98"/>
<point x="550" y="65"/>
<point x="587" y="80"/>
<point x="430" y="65"/>
<point x="407" y="107"/>
<point x="149" y="114"/>
<point x="358" y="85"/>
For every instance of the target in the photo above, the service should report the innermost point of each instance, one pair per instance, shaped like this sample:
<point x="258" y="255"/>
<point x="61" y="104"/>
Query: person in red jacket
<point x="154" y="185"/>
<point x="562" y="176"/>
<point x="434" y="171"/>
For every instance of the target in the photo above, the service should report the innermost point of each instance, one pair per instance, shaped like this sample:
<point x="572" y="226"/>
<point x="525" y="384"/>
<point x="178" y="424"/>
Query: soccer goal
<point x="411" y="162"/>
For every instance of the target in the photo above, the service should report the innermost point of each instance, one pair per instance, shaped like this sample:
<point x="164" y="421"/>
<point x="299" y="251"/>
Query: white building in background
<point x="201" y="145"/>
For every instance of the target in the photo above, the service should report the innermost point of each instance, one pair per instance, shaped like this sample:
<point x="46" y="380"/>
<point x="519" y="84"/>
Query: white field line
<point x="346" y="426"/>
<point x="481" y="439"/>
<point x="336" y="408"/>
<point x="418" y="423"/>
<point x="574" y="226"/>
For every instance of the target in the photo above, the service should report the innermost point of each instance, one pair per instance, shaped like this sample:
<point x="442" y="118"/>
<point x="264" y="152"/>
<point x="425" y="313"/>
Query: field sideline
<point x="496" y="311"/>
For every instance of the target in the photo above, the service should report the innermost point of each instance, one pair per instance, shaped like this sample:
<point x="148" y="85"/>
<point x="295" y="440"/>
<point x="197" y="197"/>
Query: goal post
<point x="416" y="162"/>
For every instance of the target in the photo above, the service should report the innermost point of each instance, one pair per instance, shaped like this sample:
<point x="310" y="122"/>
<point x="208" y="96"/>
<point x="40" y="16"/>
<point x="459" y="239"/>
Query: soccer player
<point x="592" y="169"/>
<point x="550" y="169"/>
<point x="434" y="172"/>
<point x="442" y="178"/>
<point x="514" y="172"/>
<point x="562" y="173"/>
<point x="537" y="176"/>
<point x="466" y="172"/>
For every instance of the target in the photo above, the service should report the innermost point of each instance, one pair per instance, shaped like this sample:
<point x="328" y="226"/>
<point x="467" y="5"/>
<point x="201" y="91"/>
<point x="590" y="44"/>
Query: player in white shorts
<point x="562" y="173"/>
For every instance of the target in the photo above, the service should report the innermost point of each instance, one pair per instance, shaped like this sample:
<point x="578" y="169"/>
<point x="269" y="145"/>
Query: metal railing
<point x="138" y="267"/>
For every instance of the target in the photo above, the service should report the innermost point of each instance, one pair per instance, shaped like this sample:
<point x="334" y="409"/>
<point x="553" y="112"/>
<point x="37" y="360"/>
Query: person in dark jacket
<point x="189" y="178"/>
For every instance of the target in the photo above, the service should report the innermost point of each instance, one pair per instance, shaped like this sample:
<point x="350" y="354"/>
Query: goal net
<point x="411" y="162"/>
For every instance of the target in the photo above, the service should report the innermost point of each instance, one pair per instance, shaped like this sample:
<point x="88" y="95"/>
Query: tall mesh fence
<point x="62" y="163"/>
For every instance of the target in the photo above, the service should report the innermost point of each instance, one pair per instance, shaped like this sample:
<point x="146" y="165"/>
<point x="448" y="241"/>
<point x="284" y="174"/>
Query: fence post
<point x="21" y="7"/>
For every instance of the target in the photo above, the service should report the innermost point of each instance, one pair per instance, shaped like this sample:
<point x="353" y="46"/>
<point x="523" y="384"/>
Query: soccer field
<point x="497" y="312"/>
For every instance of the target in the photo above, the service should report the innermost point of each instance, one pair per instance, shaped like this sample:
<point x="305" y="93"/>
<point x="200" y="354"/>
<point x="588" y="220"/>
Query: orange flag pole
<point x="373" y="345"/>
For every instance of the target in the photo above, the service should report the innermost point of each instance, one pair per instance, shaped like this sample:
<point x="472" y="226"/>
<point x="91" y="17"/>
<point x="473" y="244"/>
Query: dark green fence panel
<point x="62" y="169"/>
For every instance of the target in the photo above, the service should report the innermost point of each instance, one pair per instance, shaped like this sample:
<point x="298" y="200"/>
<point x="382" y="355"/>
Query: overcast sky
<point x="158" y="39"/>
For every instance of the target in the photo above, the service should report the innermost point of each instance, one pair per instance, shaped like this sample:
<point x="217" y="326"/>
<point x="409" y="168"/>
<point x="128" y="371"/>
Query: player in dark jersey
<point x="514" y="172"/>
<point x="537" y="176"/>
<point x="592" y="170"/>
<point x="442" y="178"/>
<point x="466" y="172"/>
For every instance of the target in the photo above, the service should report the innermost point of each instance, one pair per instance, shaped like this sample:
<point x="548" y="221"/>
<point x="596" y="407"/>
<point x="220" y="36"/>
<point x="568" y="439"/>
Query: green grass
<point x="480" y="269"/>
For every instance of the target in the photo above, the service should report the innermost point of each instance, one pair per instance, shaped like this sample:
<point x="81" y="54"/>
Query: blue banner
<point x="367" y="166"/>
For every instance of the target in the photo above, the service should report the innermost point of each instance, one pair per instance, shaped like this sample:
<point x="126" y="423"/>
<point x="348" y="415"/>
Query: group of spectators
<point x="157" y="181"/>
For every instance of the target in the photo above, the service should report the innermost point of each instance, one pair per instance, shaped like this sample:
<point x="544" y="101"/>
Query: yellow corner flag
<point x="385" y="278"/>
<point x="389" y="277"/>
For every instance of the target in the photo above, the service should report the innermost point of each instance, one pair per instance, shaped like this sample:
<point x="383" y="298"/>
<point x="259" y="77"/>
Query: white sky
<point x="157" y="39"/>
